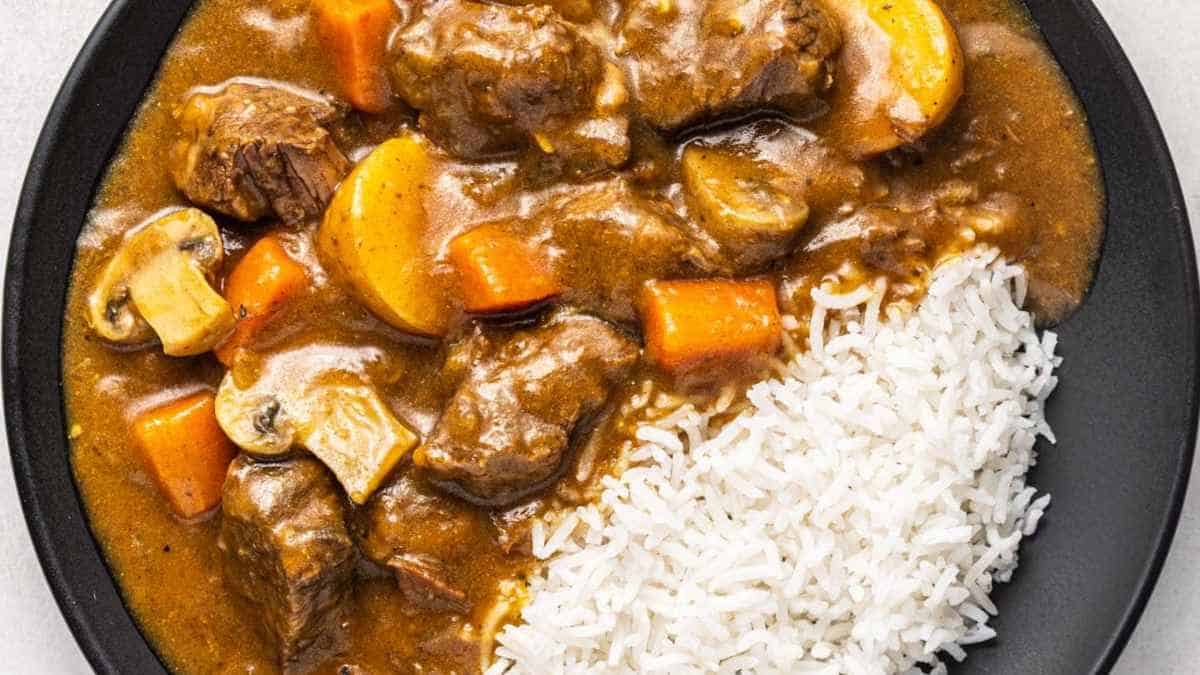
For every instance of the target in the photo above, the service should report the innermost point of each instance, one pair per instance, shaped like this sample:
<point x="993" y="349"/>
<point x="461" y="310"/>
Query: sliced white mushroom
<point x="737" y="194"/>
<point x="332" y="414"/>
<point x="740" y="205"/>
<point x="256" y="419"/>
<point x="159" y="284"/>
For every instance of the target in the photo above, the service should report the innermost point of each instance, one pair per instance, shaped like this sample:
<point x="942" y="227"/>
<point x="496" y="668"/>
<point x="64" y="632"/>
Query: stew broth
<point x="1017" y="130"/>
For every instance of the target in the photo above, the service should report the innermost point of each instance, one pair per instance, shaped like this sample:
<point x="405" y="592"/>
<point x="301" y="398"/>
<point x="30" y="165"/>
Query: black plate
<point x="1125" y="412"/>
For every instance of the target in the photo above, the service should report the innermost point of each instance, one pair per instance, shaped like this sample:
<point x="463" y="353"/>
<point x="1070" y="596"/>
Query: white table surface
<point x="38" y="41"/>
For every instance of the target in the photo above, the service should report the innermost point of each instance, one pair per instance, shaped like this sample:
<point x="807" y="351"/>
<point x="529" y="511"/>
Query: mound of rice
<point x="851" y="519"/>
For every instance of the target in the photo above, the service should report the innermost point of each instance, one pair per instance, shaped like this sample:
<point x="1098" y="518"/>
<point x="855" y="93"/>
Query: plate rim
<point x="1165" y="163"/>
<point x="99" y="649"/>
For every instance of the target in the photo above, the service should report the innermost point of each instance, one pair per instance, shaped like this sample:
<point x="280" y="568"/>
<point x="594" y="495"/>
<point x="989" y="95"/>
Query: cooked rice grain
<point x="852" y="520"/>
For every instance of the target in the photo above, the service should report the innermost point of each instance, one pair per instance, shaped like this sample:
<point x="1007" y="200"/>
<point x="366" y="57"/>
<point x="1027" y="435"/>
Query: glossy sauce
<point x="1017" y="129"/>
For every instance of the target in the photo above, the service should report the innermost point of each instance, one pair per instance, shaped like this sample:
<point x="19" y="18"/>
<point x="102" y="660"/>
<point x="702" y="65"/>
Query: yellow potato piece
<point x="373" y="238"/>
<point x="926" y="57"/>
<point x="901" y="72"/>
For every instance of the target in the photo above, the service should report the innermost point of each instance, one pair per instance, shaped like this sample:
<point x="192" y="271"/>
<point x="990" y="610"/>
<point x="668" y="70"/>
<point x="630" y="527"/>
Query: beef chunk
<point x="509" y="424"/>
<point x="425" y="583"/>
<point x="418" y="533"/>
<point x="490" y="79"/>
<point x="806" y="165"/>
<point x="888" y="242"/>
<point x="897" y="239"/>
<point x="606" y="240"/>
<point x="458" y="647"/>
<point x="252" y="151"/>
<point x="286" y="549"/>
<point x="700" y="58"/>
<point x="514" y="526"/>
<point x="579" y="11"/>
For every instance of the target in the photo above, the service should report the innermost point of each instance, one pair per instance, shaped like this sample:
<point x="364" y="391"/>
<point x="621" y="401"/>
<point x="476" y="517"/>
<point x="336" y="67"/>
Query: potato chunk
<point x="373" y="238"/>
<point x="901" y="72"/>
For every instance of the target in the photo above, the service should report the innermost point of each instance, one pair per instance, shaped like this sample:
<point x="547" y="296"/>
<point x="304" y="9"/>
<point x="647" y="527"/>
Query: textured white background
<point x="38" y="41"/>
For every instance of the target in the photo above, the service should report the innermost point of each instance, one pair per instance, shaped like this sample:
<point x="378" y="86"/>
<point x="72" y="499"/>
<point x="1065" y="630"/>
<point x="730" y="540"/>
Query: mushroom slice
<point x="335" y="416"/>
<point x="354" y="432"/>
<point x="738" y="204"/>
<point x="158" y="283"/>
<point x="256" y="421"/>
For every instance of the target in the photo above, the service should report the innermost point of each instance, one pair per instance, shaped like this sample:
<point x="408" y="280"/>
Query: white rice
<point x="852" y="519"/>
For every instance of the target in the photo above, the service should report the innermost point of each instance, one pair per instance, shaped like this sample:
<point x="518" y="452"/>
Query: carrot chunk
<point x="186" y="452"/>
<point x="259" y="285"/>
<point x="500" y="273"/>
<point x="356" y="33"/>
<point x="688" y="323"/>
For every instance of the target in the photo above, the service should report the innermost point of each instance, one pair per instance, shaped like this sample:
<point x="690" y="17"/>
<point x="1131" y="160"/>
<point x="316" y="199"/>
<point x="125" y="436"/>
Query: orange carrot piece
<point x="186" y="452"/>
<point x="688" y="323"/>
<point x="499" y="272"/>
<point x="259" y="285"/>
<point x="356" y="32"/>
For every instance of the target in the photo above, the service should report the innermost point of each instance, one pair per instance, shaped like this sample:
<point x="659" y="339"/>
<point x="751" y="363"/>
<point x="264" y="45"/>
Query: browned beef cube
<point x="607" y="240"/>
<point x="425" y="582"/>
<point x="692" y="59"/>
<point x="418" y="533"/>
<point x="252" y="151"/>
<point x="579" y="11"/>
<point x="458" y="647"/>
<point x="509" y="424"/>
<point x="490" y="79"/>
<point x="287" y="550"/>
